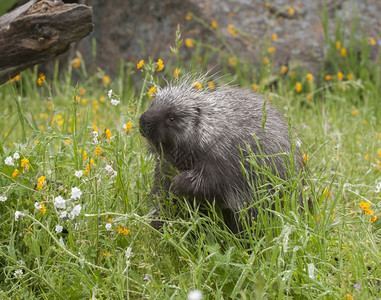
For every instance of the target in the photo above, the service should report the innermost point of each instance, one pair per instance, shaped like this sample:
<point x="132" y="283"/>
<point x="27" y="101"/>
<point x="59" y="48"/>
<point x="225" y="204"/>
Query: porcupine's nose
<point x="145" y="123"/>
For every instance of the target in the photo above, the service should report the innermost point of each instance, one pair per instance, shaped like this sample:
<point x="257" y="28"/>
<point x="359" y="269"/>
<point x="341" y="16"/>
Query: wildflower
<point x="357" y="286"/>
<point x="59" y="202"/>
<point x="115" y="102"/>
<point x="211" y="85"/>
<point x="327" y="193"/>
<point x="194" y="295"/>
<point x="75" y="193"/>
<point x="140" y="64"/>
<point x="86" y="172"/>
<point x="84" y="154"/>
<point x="122" y="230"/>
<point x="106" y="80"/>
<point x="108" y="134"/>
<point x="232" y="30"/>
<point x="67" y="141"/>
<point x="373" y="219"/>
<point x="18" y="215"/>
<point x="43" y="209"/>
<point x="15" y="173"/>
<point x="78" y="173"/>
<point x="271" y="49"/>
<point x="128" y="126"/>
<point x="365" y="122"/>
<point x="368" y="212"/>
<point x="305" y="157"/>
<point x="111" y="171"/>
<point x="3" y="198"/>
<point x="76" y="62"/>
<point x="146" y="278"/>
<point x="75" y="212"/>
<point x="364" y="205"/>
<point x="95" y="104"/>
<point x="274" y="36"/>
<point x="355" y="112"/>
<point x="292" y="74"/>
<point x="107" y="254"/>
<point x="350" y="76"/>
<point x="16" y="155"/>
<point x="152" y="91"/>
<point x="197" y="85"/>
<point x="40" y="79"/>
<point x="214" y="24"/>
<point x="310" y="77"/>
<point x="41" y="181"/>
<point x="284" y="70"/>
<point x="102" y="99"/>
<point x="160" y="65"/>
<point x="328" y="77"/>
<point x="98" y="150"/>
<point x="25" y="164"/>
<point x="372" y="41"/>
<point x="108" y="226"/>
<point x="343" y="52"/>
<point x="9" y="161"/>
<point x="59" y="228"/>
<point x="340" y="76"/>
<point x="18" y="273"/>
<point x="309" y="97"/>
<point x="188" y="17"/>
<point x="366" y="156"/>
<point x="255" y="86"/>
<point x="16" y="78"/>
<point x="298" y="87"/>
<point x="350" y="297"/>
<point x="176" y="73"/>
<point x="379" y="152"/>
<point x="63" y="215"/>
<point x="232" y="61"/>
<point x="189" y="43"/>
<point x="265" y="60"/>
<point x="109" y="94"/>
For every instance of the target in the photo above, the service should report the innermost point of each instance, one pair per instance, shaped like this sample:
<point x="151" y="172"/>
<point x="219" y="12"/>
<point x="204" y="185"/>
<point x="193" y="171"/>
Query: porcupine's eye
<point x="171" y="119"/>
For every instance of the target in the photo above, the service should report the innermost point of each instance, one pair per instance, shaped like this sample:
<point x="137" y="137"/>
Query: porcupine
<point x="207" y="136"/>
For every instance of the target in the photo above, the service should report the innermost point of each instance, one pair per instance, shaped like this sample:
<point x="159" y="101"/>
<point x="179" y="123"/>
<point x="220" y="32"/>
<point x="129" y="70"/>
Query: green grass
<point x="288" y="254"/>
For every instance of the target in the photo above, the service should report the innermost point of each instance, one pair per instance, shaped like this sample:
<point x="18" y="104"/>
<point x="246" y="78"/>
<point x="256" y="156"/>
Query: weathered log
<point x="39" y="31"/>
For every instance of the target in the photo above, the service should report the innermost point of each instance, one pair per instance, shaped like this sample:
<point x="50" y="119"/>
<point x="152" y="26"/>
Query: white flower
<point x="75" y="193"/>
<point x="3" y="198"/>
<point x="63" y="214"/>
<point x="114" y="174"/>
<point x="78" y="173"/>
<point x="16" y="155"/>
<point x="95" y="133"/>
<point x="377" y="189"/>
<point x="9" y="161"/>
<point x="59" y="228"/>
<point x="195" y="295"/>
<point x="108" y="226"/>
<point x="109" y="168"/>
<point x="59" y="202"/>
<point x="18" y="215"/>
<point x="115" y="102"/>
<point x="37" y="205"/>
<point x="18" y="273"/>
<point x="298" y="143"/>
<point x="109" y="93"/>
<point x="75" y="212"/>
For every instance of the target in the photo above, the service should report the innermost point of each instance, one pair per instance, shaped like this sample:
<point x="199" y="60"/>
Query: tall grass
<point x="109" y="250"/>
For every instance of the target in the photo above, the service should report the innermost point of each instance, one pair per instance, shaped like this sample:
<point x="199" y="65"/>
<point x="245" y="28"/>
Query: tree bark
<point x="39" y="31"/>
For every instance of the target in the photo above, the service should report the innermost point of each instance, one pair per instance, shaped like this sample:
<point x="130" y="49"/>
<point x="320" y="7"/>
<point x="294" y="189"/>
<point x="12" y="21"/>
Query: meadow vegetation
<point x="75" y="177"/>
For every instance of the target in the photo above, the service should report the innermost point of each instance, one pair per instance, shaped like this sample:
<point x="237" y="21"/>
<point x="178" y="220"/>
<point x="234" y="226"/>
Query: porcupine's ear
<point x="198" y="113"/>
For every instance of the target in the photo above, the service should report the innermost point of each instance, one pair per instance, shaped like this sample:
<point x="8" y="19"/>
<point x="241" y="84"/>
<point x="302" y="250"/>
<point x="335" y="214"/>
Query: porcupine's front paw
<point x="183" y="184"/>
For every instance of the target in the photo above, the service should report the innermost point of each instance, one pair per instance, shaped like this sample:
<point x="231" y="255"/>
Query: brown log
<point x="39" y="31"/>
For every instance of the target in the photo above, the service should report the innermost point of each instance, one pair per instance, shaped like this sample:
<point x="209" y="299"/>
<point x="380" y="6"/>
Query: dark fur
<point x="204" y="136"/>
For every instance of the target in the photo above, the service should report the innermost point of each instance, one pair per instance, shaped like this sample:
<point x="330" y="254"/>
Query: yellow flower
<point x="108" y="134"/>
<point x="189" y="43"/>
<point x="140" y="64"/>
<point x="106" y="80"/>
<point x="41" y="181"/>
<point x="92" y="163"/>
<point x="188" y="17"/>
<point x="15" y="173"/>
<point x="176" y="73"/>
<point x="310" y="77"/>
<point x="284" y="70"/>
<point x="107" y="254"/>
<point x="350" y="76"/>
<point x="123" y="231"/>
<point x="43" y="209"/>
<point x="305" y="157"/>
<point x="86" y="172"/>
<point x="160" y="65"/>
<point x="291" y="11"/>
<point x="274" y="36"/>
<point x="82" y="91"/>
<point x="340" y="75"/>
<point x="16" y="78"/>
<point x="84" y="101"/>
<point x="211" y="85"/>
<point x="25" y="164"/>
<point x="309" y="97"/>
<point x="265" y="60"/>
<point x="98" y="150"/>
<point x="292" y="74"/>
<point x="298" y="87"/>
<point x="95" y="104"/>
<point x="368" y="212"/>
<point x="379" y="152"/>
<point x="128" y="126"/>
<point x="102" y="99"/>
<point x="76" y="62"/>
<point x="152" y="91"/>
<point x="41" y="79"/>
<point x="197" y="85"/>
<point x="372" y="41"/>
<point x="343" y="52"/>
<point x="364" y="205"/>
<point x="338" y="45"/>
<point x="366" y="156"/>
<point x="355" y="113"/>
<point x="350" y="297"/>
<point x="373" y="219"/>
<point x="327" y="193"/>
<point x="232" y="61"/>
<point x="67" y="141"/>
<point x="214" y="24"/>
<point x="255" y="86"/>
<point x="328" y="77"/>
<point x="271" y="49"/>
<point x="232" y="30"/>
